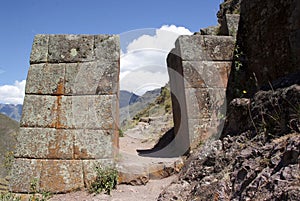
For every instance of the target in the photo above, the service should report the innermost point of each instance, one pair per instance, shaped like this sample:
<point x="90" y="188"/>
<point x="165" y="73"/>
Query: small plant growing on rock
<point x="106" y="180"/>
<point x="44" y="196"/>
<point x="9" y="197"/>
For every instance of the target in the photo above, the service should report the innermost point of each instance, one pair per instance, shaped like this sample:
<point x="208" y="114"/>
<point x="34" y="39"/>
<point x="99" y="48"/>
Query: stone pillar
<point x="70" y="113"/>
<point x="199" y="68"/>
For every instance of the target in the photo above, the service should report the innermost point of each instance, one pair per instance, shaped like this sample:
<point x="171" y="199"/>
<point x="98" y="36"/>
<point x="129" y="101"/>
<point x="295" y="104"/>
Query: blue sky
<point x="20" y="20"/>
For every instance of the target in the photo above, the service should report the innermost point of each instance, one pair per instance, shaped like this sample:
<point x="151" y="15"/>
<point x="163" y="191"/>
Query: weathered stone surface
<point x="219" y="48"/>
<point x="228" y="7"/>
<point x="201" y="74"/>
<point x="204" y="102"/>
<point x="230" y="24"/>
<point x="93" y="144"/>
<point x="212" y="30"/>
<point x="270" y="112"/>
<point x="107" y="48"/>
<point x="278" y="55"/>
<point x="92" y="78"/>
<point x="206" y="48"/>
<point x="61" y="176"/>
<point x="46" y="79"/>
<point x="40" y="111"/>
<point x="133" y="174"/>
<point x="70" y="113"/>
<point x="24" y="172"/>
<point x="200" y="66"/>
<point x="45" y="143"/>
<point x="88" y="112"/>
<point x="200" y="130"/>
<point x="70" y="48"/>
<point x="39" y="52"/>
<point x="191" y="48"/>
<point x="89" y="169"/>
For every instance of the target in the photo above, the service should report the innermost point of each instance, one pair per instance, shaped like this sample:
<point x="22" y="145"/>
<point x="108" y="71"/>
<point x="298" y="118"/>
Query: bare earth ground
<point x="148" y="192"/>
<point x="143" y="136"/>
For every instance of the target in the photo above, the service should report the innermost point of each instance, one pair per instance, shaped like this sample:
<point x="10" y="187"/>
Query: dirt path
<point x="148" y="192"/>
<point x="143" y="136"/>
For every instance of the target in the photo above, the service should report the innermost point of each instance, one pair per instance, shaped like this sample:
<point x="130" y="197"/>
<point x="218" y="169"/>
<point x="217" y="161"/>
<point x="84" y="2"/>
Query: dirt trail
<point x="148" y="192"/>
<point x="143" y="136"/>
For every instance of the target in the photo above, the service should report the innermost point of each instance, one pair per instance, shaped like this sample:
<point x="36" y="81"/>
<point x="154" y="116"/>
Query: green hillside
<point x="8" y="133"/>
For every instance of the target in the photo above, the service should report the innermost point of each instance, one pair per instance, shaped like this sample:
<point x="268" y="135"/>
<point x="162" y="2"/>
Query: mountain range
<point x="12" y="111"/>
<point x="127" y="98"/>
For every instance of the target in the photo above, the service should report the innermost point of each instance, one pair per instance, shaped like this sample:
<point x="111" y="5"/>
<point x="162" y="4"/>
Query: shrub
<point x="106" y="180"/>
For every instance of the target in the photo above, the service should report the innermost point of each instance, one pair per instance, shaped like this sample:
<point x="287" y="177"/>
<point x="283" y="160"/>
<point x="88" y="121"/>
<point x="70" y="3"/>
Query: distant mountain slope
<point x="127" y="98"/>
<point x="8" y="133"/>
<point x="127" y="113"/>
<point x="12" y="111"/>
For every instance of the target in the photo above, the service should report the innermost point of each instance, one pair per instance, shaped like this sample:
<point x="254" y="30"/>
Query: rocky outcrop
<point x="268" y="45"/>
<point x="70" y="113"/>
<point x="274" y="112"/>
<point x="238" y="168"/>
<point x="251" y="165"/>
<point x="258" y="154"/>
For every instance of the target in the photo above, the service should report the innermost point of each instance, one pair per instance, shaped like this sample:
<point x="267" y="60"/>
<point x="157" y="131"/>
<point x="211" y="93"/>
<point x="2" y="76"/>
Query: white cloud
<point x="13" y="94"/>
<point x="143" y="64"/>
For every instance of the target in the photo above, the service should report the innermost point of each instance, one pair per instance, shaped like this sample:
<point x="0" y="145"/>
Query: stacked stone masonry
<point x="70" y="113"/>
<point x="199" y="67"/>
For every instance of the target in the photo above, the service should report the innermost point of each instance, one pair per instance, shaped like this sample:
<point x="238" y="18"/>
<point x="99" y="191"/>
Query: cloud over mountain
<point x="143" y="60"/>
<point x="13" y="94"/>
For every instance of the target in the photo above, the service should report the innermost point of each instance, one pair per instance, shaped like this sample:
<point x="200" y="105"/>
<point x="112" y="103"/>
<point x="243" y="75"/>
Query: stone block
<point x="198" y="103"/>
<point x="61" y="176"/>
<point x="212" y="30"/>
<point x="206" y="48"/>
<point x="89" y="169"/>
<point x="24" y="172"/>
<point x="46" y="79"/>
<point x="219" y="48"/>
<point x="229" y="25"/>
<point x="191" y="48"/>
<point x="205" y="103"/>
<point x="107" y="48"/>
<point x="133" y="173"/>
<point x="201" y="74"/>
<point x="45" y="143"/>
<point x="160" y="171"/>
<point x="40" y="111"/>
<point x="71" y="48"/>
<point x="232" y="24"/>
<point x="88" y="112"/>
<point x="92" y="78"/>
<point x="201" y="130"/>
<point x="93" y="144"/>
<point x="39" y="52"/>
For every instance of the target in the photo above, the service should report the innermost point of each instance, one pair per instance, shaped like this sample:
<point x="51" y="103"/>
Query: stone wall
<point x="70" y="113"/>
<point x="269" y="44"/>
<point x="198" y="68"/>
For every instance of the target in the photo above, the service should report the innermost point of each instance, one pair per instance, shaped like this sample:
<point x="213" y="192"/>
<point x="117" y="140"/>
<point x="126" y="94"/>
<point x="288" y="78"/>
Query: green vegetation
<point x="8" y="134"/>
<point x="121" y="133"/>
<point x="38" y="196"/>
<point x="162" y="105"/>
<point x="9" y="197"/>
<point x="106" y="180"/>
